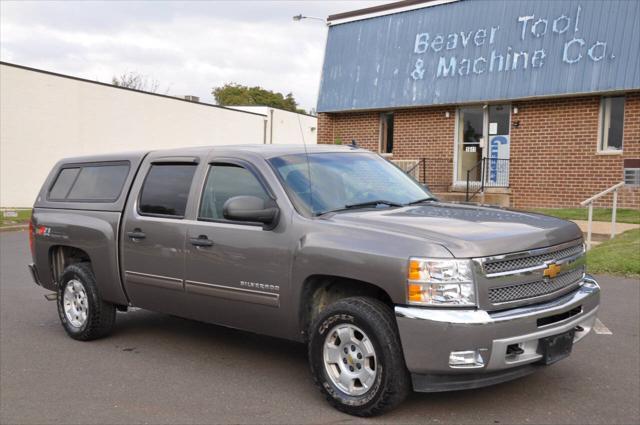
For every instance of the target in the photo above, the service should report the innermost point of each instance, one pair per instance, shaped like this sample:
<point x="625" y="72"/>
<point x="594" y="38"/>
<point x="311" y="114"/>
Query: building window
<point x="611" y="124"/>
<point x="386" y="132"/>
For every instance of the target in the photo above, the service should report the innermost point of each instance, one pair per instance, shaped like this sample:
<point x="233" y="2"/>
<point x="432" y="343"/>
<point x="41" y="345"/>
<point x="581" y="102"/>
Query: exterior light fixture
<point x="301" y="17"/>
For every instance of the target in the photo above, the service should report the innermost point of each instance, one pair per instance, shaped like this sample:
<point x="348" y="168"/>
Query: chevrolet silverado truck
<point x="331" y="246"/>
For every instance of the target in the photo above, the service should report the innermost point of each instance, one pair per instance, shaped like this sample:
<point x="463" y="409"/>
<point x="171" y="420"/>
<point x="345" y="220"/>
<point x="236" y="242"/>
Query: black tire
<point x="101" y="316"/>
<point x="392" y="380"/>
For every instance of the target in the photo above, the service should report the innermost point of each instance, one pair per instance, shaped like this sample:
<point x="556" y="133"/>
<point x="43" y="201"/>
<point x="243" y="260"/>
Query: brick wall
<point x="553" y="151"/>
<point x="418" y="133"/>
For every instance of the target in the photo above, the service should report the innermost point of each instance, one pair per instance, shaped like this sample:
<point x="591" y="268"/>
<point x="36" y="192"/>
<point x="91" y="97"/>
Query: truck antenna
<point x="306" y="153"/>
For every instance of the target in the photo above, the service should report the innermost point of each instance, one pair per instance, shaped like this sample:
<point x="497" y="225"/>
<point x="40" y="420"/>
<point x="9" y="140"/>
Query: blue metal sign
<point x="482" y="50"/>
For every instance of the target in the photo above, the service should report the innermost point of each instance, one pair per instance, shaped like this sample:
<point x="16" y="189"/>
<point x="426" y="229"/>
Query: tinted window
<point x="63" y="183"/>
<point x="226" y="181"/>
<point x="166" y="189"/>
<point x="102" y="182"/>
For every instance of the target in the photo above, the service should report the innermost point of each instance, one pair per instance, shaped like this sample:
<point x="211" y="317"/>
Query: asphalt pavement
<point x="159" y="369"/>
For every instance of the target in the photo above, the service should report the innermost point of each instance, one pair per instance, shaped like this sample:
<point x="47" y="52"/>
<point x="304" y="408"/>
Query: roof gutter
<point x="382" y="10"/>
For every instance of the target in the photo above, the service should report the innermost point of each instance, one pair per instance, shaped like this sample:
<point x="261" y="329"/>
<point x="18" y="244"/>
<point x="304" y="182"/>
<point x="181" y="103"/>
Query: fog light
<point x="465" y="359"/>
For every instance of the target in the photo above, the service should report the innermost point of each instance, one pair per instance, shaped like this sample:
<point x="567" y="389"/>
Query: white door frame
<point x="485" y="136"/>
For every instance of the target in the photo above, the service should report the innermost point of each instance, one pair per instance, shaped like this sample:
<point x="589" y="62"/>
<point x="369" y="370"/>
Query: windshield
<point x="345" y="180"/>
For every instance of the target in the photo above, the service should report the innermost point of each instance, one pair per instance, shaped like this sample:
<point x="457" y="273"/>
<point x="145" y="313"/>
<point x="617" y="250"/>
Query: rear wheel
<point x="356" y="357"/>
<point x="83" y="313"/>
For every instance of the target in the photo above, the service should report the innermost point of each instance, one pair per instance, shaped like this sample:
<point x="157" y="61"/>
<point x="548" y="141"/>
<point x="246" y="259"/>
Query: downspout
<point x="271" y="126"/>
<point x="264" y="131"/>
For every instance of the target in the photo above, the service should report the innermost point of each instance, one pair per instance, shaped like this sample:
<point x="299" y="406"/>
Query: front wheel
<point x="356" y="357"/>
<point x="83" y="313"/>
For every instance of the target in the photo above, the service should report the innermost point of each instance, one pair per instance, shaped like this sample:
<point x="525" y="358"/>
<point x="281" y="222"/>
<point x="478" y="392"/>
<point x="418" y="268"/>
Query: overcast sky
<point x="189" y="47"/>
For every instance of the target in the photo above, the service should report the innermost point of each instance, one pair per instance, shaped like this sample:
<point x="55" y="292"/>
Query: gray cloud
<point x="187" y="46"/>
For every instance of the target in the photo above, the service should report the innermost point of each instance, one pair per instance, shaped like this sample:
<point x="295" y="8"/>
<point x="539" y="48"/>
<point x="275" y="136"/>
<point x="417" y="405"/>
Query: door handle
<point x="136" y="234"/>
<point x="201" y="240"/>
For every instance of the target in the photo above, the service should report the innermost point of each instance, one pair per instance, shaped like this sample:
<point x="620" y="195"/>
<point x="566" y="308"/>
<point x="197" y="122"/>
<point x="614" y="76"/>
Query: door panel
<point x="470" y="142"/>
<point x="153" y="238"/>
<point x="239" y="280"/>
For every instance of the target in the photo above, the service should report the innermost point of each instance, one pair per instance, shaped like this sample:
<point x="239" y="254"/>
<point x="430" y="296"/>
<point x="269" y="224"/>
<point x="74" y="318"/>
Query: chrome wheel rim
<point x="350" y="359"/>
<point x="75" y="303"/>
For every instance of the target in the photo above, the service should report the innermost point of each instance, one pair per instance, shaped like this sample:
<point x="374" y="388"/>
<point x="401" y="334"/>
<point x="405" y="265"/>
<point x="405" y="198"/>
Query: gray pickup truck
<point x="332" y="246"/>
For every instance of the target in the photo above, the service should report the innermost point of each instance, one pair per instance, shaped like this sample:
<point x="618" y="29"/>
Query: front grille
<point x="538" y="288"/>
<point x="501" y="266"/>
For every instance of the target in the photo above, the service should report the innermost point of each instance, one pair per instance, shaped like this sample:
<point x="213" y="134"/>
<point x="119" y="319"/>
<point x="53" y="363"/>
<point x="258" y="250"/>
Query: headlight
<point x="440" y="282"/>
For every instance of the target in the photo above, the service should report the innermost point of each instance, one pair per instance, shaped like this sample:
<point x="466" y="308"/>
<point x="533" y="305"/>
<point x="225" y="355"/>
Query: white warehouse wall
<point x="286" y="127"/>
<point x="45" y="117"/>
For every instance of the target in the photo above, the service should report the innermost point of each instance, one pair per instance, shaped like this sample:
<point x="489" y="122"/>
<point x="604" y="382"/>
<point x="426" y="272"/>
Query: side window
<point x="90" y="183"/>
<point x="166" y="189"/>
<point x="226" y="181"/>
<point x="611" y="123"/>
<point x="99" y="183"/>
<point x="63" y="183"/>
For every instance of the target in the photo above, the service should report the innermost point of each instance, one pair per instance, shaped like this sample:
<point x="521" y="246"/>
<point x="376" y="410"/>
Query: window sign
<point x="498" y="159"/>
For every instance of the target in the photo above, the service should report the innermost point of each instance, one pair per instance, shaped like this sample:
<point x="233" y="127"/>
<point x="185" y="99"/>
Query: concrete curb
<point x="15" y="228"/>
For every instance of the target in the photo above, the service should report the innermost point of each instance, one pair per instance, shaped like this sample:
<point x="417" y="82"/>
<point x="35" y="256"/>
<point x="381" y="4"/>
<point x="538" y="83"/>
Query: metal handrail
<point x="470" y="195"/>
<point x="494" y="172"/>
<point x="590" y="202"/>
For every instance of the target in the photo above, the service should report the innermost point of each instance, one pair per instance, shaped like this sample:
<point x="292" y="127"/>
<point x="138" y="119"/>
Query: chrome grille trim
<point x="529" y="260"/>
<point x="517" y="279"/>
<point x="531" y="290"/>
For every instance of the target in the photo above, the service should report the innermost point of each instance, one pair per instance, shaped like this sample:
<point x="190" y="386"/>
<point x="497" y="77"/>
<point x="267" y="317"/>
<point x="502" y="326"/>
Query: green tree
<point x="232" y="94"/>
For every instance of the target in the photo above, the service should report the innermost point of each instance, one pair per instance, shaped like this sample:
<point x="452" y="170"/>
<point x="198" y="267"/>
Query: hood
<point x="466" y="230"/>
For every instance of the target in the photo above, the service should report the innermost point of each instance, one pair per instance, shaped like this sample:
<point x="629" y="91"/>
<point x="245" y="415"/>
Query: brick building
<point x="528" y="103"/>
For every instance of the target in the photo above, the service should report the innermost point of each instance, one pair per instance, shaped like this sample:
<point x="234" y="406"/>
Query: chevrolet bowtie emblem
<point x="552" y="270"/>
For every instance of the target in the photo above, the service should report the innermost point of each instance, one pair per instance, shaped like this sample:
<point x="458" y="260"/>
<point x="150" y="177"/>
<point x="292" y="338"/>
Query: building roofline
<point x="272" y="107"/>
<point x="559" y="96"/>
<point x="100" y="83"/>
<point x="383" y="9"/>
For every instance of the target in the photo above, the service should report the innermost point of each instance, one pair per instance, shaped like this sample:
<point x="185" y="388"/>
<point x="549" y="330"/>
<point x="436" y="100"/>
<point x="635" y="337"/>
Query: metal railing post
<point x="594" y="198"/>
<point x="467" y="198"/>
<point x="589" y="226"/>
<point x="483" y="174"/>
<point x="613" y="213"/>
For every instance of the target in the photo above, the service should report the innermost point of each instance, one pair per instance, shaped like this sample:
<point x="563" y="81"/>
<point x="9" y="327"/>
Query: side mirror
<point x="251" y="209"/>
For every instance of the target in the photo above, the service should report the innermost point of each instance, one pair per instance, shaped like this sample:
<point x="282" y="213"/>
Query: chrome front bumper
<point x="429" y="335"/>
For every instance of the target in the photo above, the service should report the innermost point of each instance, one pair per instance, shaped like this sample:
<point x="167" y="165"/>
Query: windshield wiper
<point x="361" y="205"/>
<point x="373" y="204"/>
<point x="419" y="201"/>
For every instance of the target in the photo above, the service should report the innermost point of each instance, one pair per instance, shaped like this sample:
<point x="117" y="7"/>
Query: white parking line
<point x="601" y="329"/>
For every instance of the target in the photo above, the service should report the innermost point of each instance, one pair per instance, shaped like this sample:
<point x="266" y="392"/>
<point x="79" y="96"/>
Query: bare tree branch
<point x="137" y="81"/>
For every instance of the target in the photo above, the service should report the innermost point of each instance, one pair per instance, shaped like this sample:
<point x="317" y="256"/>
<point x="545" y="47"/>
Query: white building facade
<point x="45" y="117"/>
